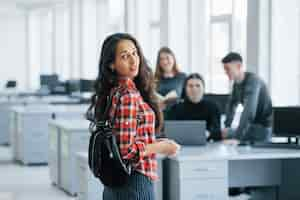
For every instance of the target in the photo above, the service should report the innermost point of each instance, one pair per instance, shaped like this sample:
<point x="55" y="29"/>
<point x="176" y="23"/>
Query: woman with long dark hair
<point x="123" y="70"/>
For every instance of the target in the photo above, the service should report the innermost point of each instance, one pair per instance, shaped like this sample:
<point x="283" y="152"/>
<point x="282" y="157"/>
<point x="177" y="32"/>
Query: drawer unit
<point x="195" y="179"/>
<point x="89" y="188"/>
<point x="209" y="169"/>
<point x="74" y="138"/>
<point x="31" y="132"/>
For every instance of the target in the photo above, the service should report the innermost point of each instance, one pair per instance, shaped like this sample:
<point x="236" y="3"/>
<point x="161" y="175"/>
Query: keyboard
<point x="275" y="145"/>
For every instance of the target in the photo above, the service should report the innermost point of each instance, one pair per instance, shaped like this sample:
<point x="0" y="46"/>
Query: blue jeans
<point x="139" y="187"/>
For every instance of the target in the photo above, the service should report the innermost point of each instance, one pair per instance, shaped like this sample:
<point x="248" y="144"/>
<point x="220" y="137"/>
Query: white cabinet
<point x="54" y="151"/>
<point x="7" y="103"/>
<point x="30" y="135"/>
<point x="190" y="189"/>
<point x="196" y="180"/>
<point x="74" y="138"/>
<point x="89" y="188"/>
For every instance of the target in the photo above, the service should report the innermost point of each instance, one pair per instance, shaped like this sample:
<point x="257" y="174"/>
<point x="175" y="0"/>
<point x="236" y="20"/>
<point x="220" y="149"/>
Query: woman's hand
<point x="233" y="142"/>
<point x="168" y="147"/>
<point x="163" y="146"/>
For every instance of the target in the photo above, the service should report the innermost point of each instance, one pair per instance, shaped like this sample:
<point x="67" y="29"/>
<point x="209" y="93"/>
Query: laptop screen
<point x="186" y="132"/>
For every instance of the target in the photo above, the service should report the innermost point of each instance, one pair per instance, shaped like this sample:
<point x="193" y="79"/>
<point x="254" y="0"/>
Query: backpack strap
<point x="105" y="121"/>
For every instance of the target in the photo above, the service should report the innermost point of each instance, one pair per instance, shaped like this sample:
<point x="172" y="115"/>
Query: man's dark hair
<point x="232" y="57"/>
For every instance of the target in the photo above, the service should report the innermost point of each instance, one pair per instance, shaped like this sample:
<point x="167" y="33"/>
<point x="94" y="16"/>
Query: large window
<point x="227" y="33"/>
<point x="116" y="15"/>
<point x="154" y="30"/>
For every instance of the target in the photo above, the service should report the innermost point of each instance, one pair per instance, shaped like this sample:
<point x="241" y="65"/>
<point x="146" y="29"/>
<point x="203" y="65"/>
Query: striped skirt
<point x="139" y="187"/>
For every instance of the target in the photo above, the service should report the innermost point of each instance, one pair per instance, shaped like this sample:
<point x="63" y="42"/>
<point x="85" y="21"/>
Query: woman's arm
<point x="166" y="147"/>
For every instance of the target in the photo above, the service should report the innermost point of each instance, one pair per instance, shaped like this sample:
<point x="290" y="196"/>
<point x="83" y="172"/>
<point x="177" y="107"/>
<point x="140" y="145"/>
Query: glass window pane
<point x="221" y="7"/>
<point x="116" y="15"/>
<point x="155" y="45"/>
<point x="240" y="28"/>
<point x="220" y="46"/>
<point x="155" y="10"/>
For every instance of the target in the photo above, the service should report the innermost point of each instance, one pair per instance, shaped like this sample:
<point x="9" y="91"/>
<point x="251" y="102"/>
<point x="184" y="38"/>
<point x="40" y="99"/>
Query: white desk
<point x="90" y="188"/>
<point x="5" y="107"/>
<point x="206" y="173"/>
<point x="30" y="137"/>
<point x="74" y="138"/>
<point x="7" y="103"/>
<point x="55" y="130"/>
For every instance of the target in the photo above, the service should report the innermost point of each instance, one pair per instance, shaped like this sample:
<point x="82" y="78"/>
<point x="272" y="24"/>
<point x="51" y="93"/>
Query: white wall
<point x="12" y="49"/>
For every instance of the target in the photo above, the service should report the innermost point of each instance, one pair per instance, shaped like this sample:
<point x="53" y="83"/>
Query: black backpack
<point x="104" y="156"/>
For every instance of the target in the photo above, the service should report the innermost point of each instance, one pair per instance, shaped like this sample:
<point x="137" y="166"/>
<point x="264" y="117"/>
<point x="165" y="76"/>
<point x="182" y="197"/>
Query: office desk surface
<point x="73" y="124"/>
<point x="219" y="151"/>
<point x="206" y="172"/>
<point x="37" y="109"/>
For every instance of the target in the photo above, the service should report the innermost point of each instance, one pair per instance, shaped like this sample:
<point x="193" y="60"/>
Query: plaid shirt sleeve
<point x="126" y="125"/>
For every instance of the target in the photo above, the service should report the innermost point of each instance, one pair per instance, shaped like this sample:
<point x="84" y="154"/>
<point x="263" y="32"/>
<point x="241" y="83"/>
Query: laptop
<point x="186" y="132"/>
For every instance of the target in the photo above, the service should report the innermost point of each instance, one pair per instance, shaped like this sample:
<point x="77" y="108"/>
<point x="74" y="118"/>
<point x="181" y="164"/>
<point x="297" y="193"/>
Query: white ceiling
<point x="11" y="7"/>
<point x="31" y="2"/>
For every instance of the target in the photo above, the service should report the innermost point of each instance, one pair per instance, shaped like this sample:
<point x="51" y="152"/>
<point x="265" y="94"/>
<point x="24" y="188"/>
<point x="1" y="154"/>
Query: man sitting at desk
<point x="250" y="91"/>
<point x="194" y="107"/>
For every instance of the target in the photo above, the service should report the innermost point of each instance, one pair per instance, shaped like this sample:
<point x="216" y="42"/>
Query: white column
<point x="75" y="37"/>
<point x="46" y="41"/>
<point x="102" y="23"/>
<point x="34" y="49"/>
<point x="130" y="16"/>
<point x="58" y="39"/>
<point x="199" y="36"/>
<point x="67" y="58"/>
<point x="89" y="67"/>
<point x="259" y="38"/>
<point x="27" y="51"/>
<point x="137" y="23"/>
<point x="143" y="26"/>
<point x="285" y="52"/>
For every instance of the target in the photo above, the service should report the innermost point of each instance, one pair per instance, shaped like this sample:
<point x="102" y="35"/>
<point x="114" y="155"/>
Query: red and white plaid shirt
<point x="134" y="126"/>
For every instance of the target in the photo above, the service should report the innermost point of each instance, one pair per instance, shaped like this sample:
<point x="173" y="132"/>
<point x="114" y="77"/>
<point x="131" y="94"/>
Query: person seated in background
<point x="169" y="80"/>
<point x="194" y="107"/>
<point x="250" y="91"/>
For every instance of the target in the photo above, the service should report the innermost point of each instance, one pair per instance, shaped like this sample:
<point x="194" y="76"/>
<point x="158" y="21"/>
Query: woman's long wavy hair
<point x="107" y="79"/>
<point x="158" y="70"/>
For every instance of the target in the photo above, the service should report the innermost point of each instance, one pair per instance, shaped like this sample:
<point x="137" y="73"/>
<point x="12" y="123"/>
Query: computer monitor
<point x="86" y="85"/>
<point x="59" y="89"/>
<point x="72" y="86"/>
<point x="49" y="80"/>
<point x="11" y="84"/>
<point x="286" y="121"/>
<point x="220" y="99"/>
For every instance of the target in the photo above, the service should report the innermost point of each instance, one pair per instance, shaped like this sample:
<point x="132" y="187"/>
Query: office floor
<point x="19" y="182"/>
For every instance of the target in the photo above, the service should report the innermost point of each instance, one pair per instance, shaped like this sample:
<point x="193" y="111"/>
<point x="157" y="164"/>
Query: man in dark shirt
<point x="250" y="91"/>
<point x="194" y="107"/>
